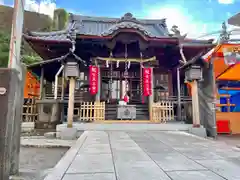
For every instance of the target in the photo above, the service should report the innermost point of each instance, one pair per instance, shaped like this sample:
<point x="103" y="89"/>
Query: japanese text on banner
<point x="93" y="79"/>
<point x="147" y="81"/>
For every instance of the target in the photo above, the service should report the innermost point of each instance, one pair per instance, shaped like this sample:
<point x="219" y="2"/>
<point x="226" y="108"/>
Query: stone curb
<point x="63" y="165"/>
<point x="44" y="146"/>
<point x="42" y="142"/>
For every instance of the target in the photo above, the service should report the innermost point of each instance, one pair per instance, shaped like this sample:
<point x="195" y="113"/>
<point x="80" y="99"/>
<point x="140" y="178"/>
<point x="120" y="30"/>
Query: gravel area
<point x="35" y="163"/>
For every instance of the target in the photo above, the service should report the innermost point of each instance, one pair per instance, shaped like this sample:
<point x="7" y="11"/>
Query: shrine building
<point x="112" y="69"/>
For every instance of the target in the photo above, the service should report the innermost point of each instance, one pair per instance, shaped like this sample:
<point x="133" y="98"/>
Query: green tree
<point x="28" y="57"/>
<point x="60" y="19"/>
<point x="4" y="48"/>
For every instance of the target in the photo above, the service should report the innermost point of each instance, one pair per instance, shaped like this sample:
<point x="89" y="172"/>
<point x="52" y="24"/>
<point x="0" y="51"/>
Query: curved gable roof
<point x="103" y="26"/>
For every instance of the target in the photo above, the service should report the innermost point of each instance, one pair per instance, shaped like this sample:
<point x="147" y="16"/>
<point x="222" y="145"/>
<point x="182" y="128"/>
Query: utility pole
<point x="11" y="99"/>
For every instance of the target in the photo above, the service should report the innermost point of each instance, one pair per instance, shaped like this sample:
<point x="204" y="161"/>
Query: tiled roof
<point x="59" y="35"/>
<point x="102" y="26"/>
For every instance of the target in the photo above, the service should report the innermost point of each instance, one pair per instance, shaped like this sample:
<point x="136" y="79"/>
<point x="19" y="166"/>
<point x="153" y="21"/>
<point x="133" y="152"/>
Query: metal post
<point x="55" y="106"/>
<point x="179" y="115"/>
<point x="63" y="85"/>
<point x="56" y="82"/>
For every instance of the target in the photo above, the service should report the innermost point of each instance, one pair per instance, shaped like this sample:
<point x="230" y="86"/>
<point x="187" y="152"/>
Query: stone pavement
<point x="152" y="155"/>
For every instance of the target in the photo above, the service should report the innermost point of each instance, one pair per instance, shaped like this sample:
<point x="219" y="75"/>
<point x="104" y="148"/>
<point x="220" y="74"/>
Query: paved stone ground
<point x="233" y="140"/>
<point x="100" y="155"/>
<point x="36" y="163"/>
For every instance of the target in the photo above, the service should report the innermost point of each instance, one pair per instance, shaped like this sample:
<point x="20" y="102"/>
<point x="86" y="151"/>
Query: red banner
<point x="147" y="81"/>
<point x="93" y="79"/>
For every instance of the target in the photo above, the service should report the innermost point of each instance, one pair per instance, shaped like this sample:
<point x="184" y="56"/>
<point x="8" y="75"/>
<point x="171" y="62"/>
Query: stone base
<point x="27" y="126"/>
<point x="68" y="134"/>
<point x="50" y="135"/>
<point x="81" y="127"/>
<point x="198" y="131"/>
<point x="46" y="125"/>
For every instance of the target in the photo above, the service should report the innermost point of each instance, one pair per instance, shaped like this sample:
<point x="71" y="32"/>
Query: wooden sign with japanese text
<point x="93" y="79"/>
<point x="147" y="81"/>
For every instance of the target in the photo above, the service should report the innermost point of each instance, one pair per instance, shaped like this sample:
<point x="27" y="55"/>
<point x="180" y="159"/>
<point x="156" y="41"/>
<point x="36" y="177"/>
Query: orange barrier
<point x="31" y="87"/>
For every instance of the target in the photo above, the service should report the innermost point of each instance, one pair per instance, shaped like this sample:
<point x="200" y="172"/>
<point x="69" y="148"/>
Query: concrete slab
<point x="145" y="155"/>
<point x="224" y="168"/>
<point x="94" y="176"/>
<point x="175" y="162"/>
<point x="140" y="170"/>
<point x="196" y="175"/>
<point x="95" y="149"/>
<point x="92" y="163"/>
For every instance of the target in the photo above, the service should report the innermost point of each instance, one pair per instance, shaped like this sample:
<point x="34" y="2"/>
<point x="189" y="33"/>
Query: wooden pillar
<point x="179" y="114"/>
<point x="72" y="82"/>
<point x="41" y="83"/>
<point x="195" y="104"/>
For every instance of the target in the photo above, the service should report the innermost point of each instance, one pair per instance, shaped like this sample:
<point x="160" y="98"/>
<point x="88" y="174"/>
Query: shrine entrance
<point x="115" y="88"/>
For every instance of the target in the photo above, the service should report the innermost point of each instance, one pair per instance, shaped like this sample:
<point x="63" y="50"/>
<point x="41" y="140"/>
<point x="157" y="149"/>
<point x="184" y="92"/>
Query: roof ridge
<point x="114" y="20"/>
<point x="37" y="33"/>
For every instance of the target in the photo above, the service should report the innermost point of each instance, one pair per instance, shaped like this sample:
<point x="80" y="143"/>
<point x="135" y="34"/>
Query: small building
<point x="137" y="58"/>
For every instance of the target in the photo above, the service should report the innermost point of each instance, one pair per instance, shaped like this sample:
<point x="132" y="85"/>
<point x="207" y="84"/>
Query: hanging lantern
<point x="147" y="81"/>
<point x="93" y="79"/>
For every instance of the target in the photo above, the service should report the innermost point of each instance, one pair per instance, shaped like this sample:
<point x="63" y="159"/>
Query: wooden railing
<point x="162" y="111"/>
<point x="92" y="111"/>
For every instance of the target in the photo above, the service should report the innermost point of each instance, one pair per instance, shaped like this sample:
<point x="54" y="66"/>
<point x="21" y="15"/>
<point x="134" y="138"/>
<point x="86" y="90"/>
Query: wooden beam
<point x="129" y="59"/>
